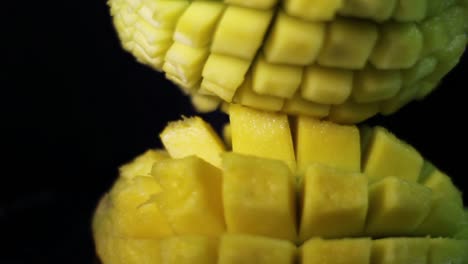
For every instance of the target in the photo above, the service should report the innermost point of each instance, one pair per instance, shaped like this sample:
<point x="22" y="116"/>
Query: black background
<point x="74" y="106"/>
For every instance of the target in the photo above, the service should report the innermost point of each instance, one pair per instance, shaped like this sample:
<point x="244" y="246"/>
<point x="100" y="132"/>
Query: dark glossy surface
<point x="75" y="106"/>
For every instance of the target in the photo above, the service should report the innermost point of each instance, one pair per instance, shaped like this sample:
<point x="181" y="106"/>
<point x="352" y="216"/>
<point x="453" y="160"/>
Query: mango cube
<point x="189" y="250"/>
<point x="423" y="68"/>
<point x="185" y="62"/>
<point x="259" y="197"/>
<point x="436" y="7"/>
<point x="443" y="250"/>
<point x="315" y="10"/>
<point x="141" y="165"/>
<point x="235" y="35"/>
<point x="343" y="251"/>
<point x="235" y="249"/>
<point x="193" y="136"/>
<point x="400" y="250"/>
<point x="259" y="4"/>
<point x="261" y="134"/>
<point x="403" y="97"/>
<point x="135" y="214"/>
<point x="350" y="112"/>
<point x="135" y="251"/>
<point x="372" y="85"/>
<point x="443" y="188"/>
<point x="326" y="85"/>
<point x="348" y="44"/>
<point x="445" y="218"/>
<point x="387" y="156"/>
<point x="205" y="103"/>
<point x="396" y="207"/>
<point x="410" y="10"/>
<point x="294" y="41"/>
<point x="223" y="75"/>
<point x="377" y="10"/>
<point x="196" y="26"/>
<point x="191" y="196"/>
<point x="436" y="36"/>
<point x="167" y="12"/>
<point x="328" y="197"/>
<point x="245" y="95"/>
<point x="448" y="58"/>
<point x="399" y="46"/>
<point x="275" y="79"/>
<point x="327" y="143"/>
<point x="299" y="106"/>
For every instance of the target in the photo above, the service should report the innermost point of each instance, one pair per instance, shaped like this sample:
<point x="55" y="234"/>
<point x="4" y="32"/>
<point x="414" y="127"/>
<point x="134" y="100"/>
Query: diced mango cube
<point x="135" y="214"/>
<point x="135" y="251"/>
<point x="410" y="10"/>
<point x="399" y="46"/>
<point x="436" y="36"/>
<point x="406" y="94"/>
<point x="377" y="10"/>
<point x="348" y="44"/>
<point x="443" y="187"/>
<point x="423" y="68"/>
<point x="259" y="197"/>
<point x="326" y="85"/>
<point x="448" y="58"/>
<point x="240" y="31"/>
<point x="350" y="112"/>
<point x="261" y="134"/>
<point x="400" y="250"/>
<point x="245" y="249"/>
<point x="373" y="85"/>
<point x="245" y="95"/>
<point x="294" y="41"/>
<point x="191" y="196"/>
<point x="327" y="143"/>
<point x="275" y="79"/>
<point x="315" y="10"/>
<point x="387" y="156"/>
<point x="223" y="75"/>
<point x="299" y="106"/>
<point x="167" y="12"/>
<point x="443" y="250"/>
<point x="204" y="103"/>
<point x="189" y="250"/>
<point x="196" y="26"/>
<point x="343" y="251"/>
<point x="445" y="218"/>
<point x="328" y="197"/>
<point x="141" y="165"/>
<point x="260" y="4"/>
<point x="396" y="207"/>
<point x="185" y="62"/>
<point x="193" y="136"/>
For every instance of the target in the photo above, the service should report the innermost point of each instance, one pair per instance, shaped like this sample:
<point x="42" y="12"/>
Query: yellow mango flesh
<point x="262" y="134"/>
<point x="345" y="251"/>
<point x="193" y="137"/>
<point x="259" y="197"/>
<point x="327" y="143"/>
<point x="329" y="196"/>
<point x="255" y="250"/>
<point x="400" y="160"/>
<point x="396" y="207"/>
<point x="190" y="195"/>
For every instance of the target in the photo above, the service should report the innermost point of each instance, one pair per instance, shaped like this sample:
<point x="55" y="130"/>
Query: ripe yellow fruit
<point x="260" y="202"/>
<point x="342" y="60"/>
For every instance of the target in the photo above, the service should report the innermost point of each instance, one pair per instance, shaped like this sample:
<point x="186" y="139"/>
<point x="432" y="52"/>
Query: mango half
<point x="341" y="60"/>
<point x="290" y="190"/>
